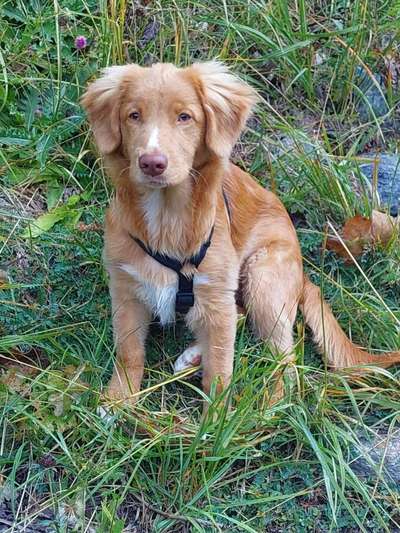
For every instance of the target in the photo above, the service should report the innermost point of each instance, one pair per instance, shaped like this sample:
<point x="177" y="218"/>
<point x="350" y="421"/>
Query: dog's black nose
<point x="153" y="164"/>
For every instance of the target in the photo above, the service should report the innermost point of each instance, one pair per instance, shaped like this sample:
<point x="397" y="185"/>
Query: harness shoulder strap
<point x="165" y="260"/>
<point x="196" y="259"/>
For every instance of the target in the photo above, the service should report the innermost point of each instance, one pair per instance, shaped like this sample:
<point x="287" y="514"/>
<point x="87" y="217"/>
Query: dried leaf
<point x="359" y="231"/>
<point x="15" y="381"/>
<point x="384" y="227"/>
<point x="357" y="228"/>
<point x="336" y="245"/>
<point x="356" y="234"/>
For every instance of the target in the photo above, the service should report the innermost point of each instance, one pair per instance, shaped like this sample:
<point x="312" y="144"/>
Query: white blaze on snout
<point x="153" y="139"/>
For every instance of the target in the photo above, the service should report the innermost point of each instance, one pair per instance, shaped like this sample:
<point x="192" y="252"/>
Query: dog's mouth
<point x="158" y="182"/>
<point x="162" y="181"/>
<point x="153" y="182"/>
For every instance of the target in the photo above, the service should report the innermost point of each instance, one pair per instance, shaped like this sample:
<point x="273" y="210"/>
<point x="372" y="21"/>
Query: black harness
<point x="185" y="296"/>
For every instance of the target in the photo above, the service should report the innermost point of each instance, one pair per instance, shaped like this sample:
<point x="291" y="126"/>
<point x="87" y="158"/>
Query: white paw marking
<point x="188" y="359"/>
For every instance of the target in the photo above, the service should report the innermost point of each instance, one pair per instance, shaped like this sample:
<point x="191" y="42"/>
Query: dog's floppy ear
<point x="102" y="102"/>
<point x="227" y="103"/>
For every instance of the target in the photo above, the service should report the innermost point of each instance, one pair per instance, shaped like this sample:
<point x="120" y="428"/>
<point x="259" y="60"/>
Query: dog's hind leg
<point x="272" y="282"/>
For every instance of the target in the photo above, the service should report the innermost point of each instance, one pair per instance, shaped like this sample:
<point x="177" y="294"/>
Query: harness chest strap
<point x="185" y="295"/>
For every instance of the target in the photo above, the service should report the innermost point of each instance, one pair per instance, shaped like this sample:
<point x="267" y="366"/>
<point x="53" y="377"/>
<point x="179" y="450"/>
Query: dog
<point x="166" y="135"/>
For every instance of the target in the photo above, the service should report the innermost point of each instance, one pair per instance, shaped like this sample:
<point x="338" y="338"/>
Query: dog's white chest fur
<point x="159" y="299"/>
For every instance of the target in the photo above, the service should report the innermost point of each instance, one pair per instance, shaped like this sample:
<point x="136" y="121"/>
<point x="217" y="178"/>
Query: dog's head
<point x="166" y="120"/>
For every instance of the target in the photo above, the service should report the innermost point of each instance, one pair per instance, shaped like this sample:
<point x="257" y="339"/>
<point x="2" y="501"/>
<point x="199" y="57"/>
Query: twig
<point x="165" y="514"/>
<point x="150" y="507"/>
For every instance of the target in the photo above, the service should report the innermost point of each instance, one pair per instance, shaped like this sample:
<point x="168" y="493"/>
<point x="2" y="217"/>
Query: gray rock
<point x="378" y="455"/>
<point x="299" y="144"/>
<point x="388" y="180"/>
<point x="373" y="103"/>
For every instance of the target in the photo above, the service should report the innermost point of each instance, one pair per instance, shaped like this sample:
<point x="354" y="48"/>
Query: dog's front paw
<point x="119" y="393"/>
<point x="190" y="358"/>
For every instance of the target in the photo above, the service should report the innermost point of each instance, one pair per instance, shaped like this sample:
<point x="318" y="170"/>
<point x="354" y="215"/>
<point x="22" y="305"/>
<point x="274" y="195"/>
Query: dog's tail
<point x="330" y="338"/>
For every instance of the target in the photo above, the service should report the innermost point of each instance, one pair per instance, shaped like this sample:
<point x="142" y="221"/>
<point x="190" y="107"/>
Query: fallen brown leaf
<point x="336" y="245"/>
<point x="384" y="227"/>
<point x="359" y="232"/>
<point x="356" y="228"/>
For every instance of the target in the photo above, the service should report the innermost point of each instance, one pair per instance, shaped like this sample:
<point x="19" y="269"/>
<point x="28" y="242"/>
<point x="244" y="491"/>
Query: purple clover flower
<point x="81" y="42"/>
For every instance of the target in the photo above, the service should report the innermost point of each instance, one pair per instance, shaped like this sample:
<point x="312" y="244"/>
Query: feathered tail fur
<point x="330" y="338"/>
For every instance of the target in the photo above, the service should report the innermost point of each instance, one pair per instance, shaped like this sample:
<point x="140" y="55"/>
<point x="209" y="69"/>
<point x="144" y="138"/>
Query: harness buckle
<point x="184" y="301"/>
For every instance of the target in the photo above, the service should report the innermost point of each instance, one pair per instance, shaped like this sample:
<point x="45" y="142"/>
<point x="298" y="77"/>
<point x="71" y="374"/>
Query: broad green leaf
<point x="44" y="223"/>
<point x="54" y="192"/>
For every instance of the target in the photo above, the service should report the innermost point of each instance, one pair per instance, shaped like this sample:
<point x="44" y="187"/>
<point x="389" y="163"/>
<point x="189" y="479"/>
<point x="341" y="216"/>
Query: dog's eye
<point x="135" y="115"/>
<point x="184" y="117"/>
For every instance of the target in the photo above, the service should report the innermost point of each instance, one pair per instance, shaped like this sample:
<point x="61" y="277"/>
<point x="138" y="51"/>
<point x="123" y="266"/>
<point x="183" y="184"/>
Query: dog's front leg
<point x="130" y="324"/>
<point x="217" y="337"/>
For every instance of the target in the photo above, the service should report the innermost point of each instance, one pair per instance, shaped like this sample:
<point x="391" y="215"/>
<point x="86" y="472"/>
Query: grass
<point x="162" y="467"/>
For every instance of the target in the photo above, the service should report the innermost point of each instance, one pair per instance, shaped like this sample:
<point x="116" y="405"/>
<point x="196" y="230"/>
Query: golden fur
<point x="135" y="111"/>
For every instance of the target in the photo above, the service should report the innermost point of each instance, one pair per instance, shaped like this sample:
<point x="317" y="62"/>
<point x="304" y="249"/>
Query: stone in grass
<point x="387" y="180"/>
<point x="373" y="102"/>
<point x="378" y="455"/>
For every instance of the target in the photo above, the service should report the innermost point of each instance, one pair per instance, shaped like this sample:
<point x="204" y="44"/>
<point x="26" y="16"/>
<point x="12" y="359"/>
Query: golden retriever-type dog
<point x="166" y="134"/>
